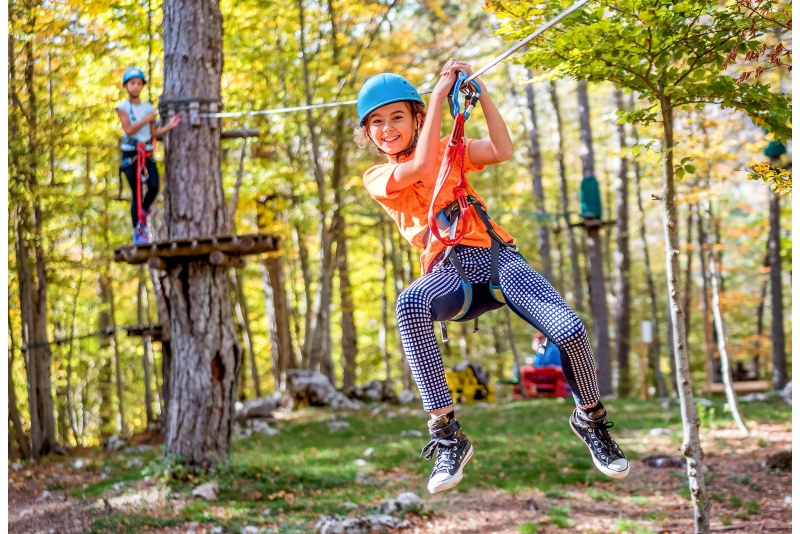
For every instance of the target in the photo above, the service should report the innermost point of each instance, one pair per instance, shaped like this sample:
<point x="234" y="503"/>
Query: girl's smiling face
<point x="392" y="127"/>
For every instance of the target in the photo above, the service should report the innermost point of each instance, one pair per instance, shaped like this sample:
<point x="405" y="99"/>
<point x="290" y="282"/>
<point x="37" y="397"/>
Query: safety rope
<point x="141" y="167"/>
<point x="456" y="147"/>
<point x="543" y="28"/>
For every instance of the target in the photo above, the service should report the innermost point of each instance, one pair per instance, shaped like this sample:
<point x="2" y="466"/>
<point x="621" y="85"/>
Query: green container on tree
<point x="591" y="205"/>
<point x="775" y="149"/>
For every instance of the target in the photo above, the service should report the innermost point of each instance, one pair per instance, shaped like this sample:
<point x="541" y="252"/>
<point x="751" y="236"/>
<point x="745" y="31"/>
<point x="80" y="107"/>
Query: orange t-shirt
<point x="409" y="206"/>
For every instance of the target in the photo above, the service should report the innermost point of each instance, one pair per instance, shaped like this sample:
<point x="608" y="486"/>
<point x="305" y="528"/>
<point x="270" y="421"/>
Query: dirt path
<point x="649" y="498"/>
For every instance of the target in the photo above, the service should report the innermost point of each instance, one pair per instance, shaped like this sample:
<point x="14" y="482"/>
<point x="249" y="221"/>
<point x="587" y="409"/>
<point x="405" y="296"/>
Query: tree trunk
<point x="691" y="446"/>
<point x="510" y="333"/>
<point x="349" y="336"/>
<point x="655" y="362"/>
<point x="395" y="252"/>
<point x="310" y="301"/>
<point x="277" y="313"/>
<point x="779" y="375"/>
<point x="118" y="378"/>
<point x="574" y="255"/>
<point x="243" y="313"/>
<point x="161" y="291"/>
<point x="319" y="354"/>
<point x="687" y="292"/>
<point x="384" y="303"/>
<point x="597" y="283"/>
<point x="203" y="340"/>
<point x="13" y="409"/>
<point x="708" y="322"/>
<point x="760" y="322"/>
<point x="542" y="218"/>
<point x="143" y="319"/>
<point x="622" y="291"/>
<point x="722" y="338"/>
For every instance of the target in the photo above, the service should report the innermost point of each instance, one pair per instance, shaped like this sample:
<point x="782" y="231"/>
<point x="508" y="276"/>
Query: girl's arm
<point x="498" y="147"/>
<point x="157" y="133"/>
<point x="131" y="129"/>
<point x="425" y="156"/>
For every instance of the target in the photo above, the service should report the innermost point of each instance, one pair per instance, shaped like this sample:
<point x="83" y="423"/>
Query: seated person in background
<point x="545" y="352"/>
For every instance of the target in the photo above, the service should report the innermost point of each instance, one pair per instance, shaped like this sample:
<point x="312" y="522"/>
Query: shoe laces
<point x="604" y="443"/>
<point x="444" y="448"/>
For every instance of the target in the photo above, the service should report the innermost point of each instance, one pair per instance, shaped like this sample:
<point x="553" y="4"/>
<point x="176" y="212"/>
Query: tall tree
<point x="779" y="374"/>
<point x="206" y="355"/>
<point x="319" y="352"/>
<point x="25" y="192"/>
<point x="713" y="275"/>
<point x="543" y="251"/>
<point x="655" y="360"/>
<point x="622" y="259"/>
<point x="574" y="255"/>
<point x="597" y="282"/>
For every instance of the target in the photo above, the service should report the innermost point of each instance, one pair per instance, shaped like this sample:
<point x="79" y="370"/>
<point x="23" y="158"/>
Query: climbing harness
<point x="543" y="28"/>
<point x="141" y="175"/>
<point x="483" y="297"/>
<point x="140" y="160"/>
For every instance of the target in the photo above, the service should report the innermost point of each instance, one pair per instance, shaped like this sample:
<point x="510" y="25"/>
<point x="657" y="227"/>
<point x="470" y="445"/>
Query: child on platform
<point x="139" y="126"/>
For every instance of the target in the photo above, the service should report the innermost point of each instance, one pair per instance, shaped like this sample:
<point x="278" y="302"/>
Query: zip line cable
<point x="105" y="332"/>
<point x="274" y="111"/>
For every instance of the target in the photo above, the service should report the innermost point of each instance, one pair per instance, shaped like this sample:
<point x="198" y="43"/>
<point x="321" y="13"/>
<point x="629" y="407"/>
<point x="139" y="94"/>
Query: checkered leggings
<point x="527" y="293"/>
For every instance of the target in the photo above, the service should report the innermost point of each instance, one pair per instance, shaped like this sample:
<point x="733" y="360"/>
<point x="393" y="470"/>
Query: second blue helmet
<point x="382" y="89"/>
<point x="131" y="73"/>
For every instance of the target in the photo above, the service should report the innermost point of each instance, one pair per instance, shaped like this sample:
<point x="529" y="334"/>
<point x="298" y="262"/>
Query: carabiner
<point x="472" y="91"/>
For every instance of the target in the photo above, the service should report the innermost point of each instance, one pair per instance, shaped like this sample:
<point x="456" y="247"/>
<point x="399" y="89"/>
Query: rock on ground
<point x="261" y="407"/>
<point x="402" y="502"/>
<point x="310" y="388"/>
<point x="374" y="391"/>
<point x="359" y="525"/>
<point x="114" y="443"/>
<point x="207" y="491"/>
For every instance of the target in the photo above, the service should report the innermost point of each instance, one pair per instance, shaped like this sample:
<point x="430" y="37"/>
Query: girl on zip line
<point x="392" y="117"/>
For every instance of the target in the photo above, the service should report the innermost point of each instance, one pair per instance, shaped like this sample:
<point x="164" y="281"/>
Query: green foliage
<point x="668" y="52"/>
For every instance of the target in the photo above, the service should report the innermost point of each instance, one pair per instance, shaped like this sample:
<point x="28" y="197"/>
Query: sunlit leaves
<point x="779" y="180"/>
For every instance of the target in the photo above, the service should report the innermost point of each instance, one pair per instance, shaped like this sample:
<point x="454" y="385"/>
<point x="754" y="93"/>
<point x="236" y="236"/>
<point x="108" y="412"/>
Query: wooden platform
<point x="222" y="251"/>
<point x="747" y="386"/>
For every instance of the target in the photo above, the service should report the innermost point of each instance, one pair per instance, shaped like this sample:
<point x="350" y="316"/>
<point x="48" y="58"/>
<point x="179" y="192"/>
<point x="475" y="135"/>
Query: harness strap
<point x="141" y="168"/>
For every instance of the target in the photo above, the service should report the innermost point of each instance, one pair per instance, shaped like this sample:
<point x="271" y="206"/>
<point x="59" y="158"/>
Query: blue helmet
<point x="382" y="89"/>
<point x="131" y="73"/>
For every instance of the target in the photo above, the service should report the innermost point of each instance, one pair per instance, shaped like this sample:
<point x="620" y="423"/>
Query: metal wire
<point x="543" y="28"/>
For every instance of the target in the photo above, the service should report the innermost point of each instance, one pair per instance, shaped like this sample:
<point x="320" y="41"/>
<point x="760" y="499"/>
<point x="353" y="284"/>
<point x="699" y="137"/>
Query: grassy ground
<point x="525" y="453"/>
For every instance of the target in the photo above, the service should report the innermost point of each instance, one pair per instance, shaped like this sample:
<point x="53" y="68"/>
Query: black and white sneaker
<point x="592" y="428"/>
<point x="453" y="450"/>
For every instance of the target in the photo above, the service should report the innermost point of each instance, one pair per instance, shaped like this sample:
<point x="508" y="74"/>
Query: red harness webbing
<point x="141" y="156"/>
<point x="456" y="147"/>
